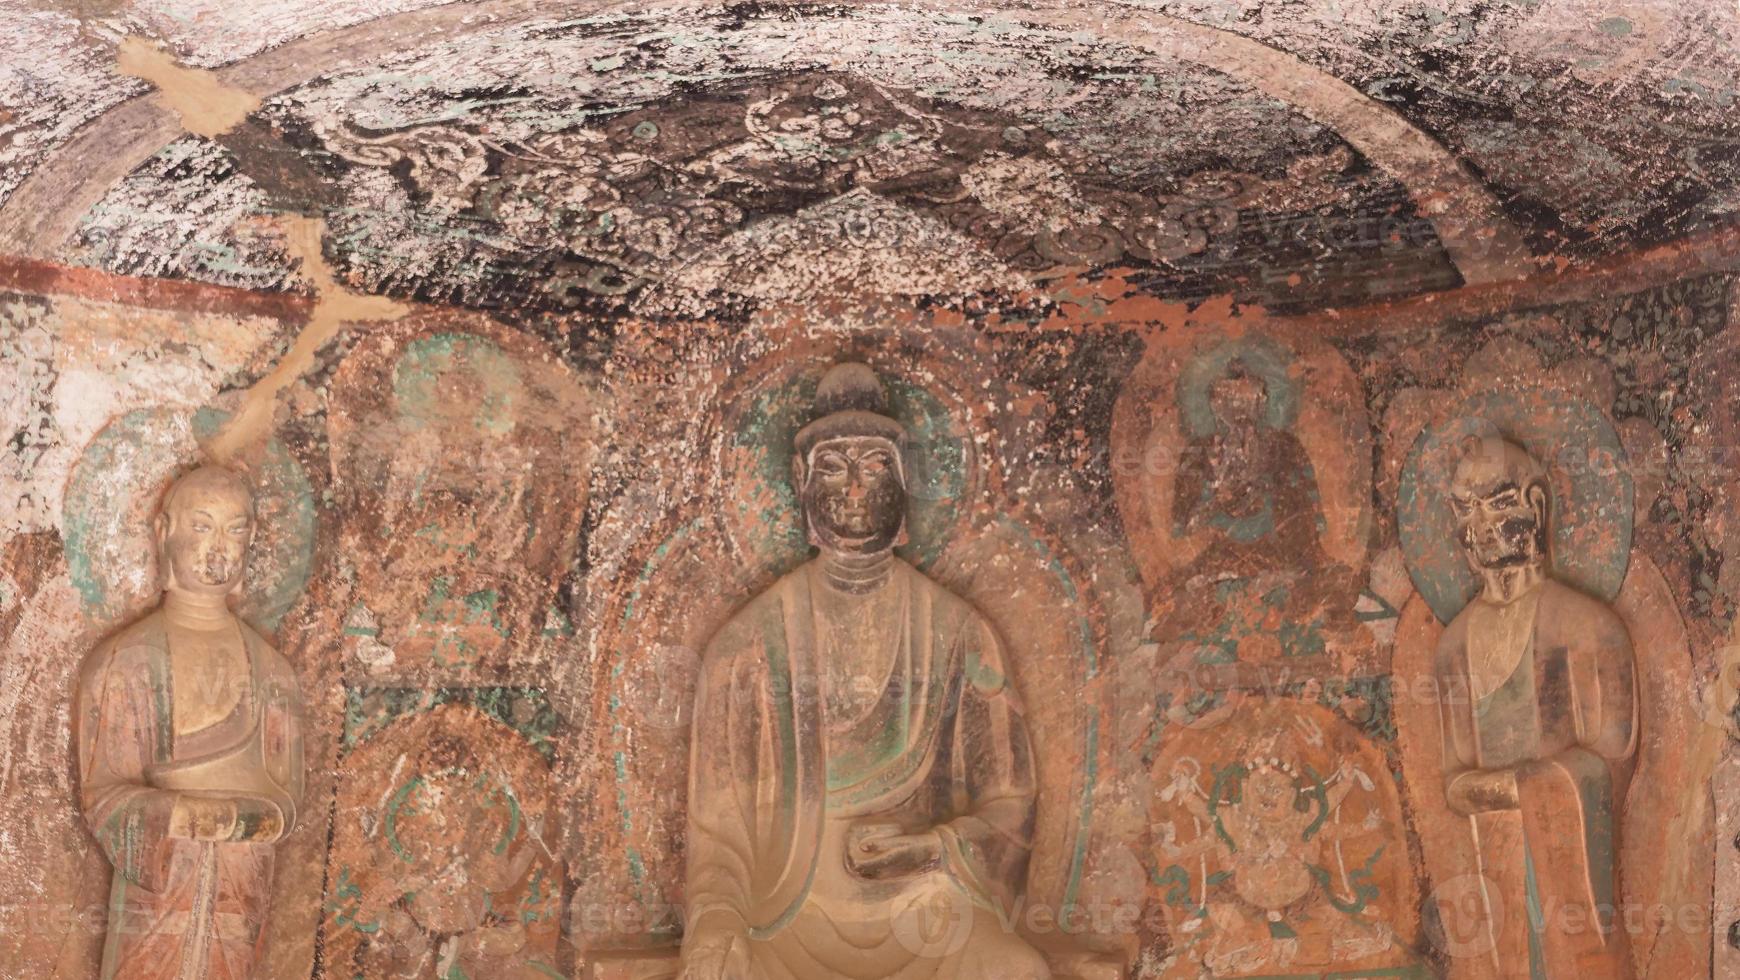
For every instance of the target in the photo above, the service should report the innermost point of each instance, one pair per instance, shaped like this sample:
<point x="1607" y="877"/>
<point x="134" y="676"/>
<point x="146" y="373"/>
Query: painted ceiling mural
<point x="599" y="158"/>
<point x="672" y="168"/>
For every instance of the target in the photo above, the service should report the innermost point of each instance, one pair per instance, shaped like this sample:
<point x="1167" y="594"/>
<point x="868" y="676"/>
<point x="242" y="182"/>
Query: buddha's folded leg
<point x="996" y="953"/>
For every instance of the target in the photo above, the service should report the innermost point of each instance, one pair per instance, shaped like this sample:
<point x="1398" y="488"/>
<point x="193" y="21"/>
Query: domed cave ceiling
<point x="1174" y="299"/>
<point x="698" y="160"/>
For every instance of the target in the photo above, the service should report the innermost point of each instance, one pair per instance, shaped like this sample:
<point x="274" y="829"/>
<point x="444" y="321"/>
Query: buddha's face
<point x="1237" y="401"/>
<point x="1501" y="511"/>
<point x="853" y="493"/>
<point x="1236" y="453"/>
<point x="203" y="537"/>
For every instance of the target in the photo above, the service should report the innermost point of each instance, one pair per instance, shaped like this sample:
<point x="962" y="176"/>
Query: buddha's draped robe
<point x="182" y="909"/>
<point x="937" y="741"/>
<point x="1565" y="720"/>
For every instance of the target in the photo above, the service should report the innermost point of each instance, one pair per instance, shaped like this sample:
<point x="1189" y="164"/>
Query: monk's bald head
<point x="205" y="529"/>
<point x="1498" y="492"/>
<point x="206" y="484"/>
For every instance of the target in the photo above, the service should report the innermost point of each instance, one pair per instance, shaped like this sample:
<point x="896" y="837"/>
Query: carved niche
<point x="188" y="728"/>
<point x="679" y="581"/>
<point x="1599" y="635"/>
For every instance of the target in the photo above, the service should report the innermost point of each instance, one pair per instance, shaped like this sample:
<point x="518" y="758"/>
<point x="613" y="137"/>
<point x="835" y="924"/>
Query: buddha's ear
<point x="798" y="469"/>
<point x="1542" y="505"/>
<point x="241" y="578"/>
<point x="1536" y="495"/>
<point x="160" y="533"/>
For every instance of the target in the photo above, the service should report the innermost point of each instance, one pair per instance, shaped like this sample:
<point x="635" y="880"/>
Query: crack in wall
<point x="205" y="105"/>
<point x="209" y="107"/>
<point x="334" y="306"/>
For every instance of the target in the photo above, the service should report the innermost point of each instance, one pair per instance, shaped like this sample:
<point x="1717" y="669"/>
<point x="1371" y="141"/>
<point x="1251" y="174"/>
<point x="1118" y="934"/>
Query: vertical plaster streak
<point x="1708" y="752"/>
<point x="334" y="307"/>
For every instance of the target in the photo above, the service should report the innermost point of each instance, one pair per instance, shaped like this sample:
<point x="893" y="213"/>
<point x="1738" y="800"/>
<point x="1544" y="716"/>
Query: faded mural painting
<point x="580" y="490"/>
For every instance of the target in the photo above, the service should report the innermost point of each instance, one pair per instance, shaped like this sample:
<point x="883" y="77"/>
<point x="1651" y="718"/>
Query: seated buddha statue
<point x="861" y="798"/>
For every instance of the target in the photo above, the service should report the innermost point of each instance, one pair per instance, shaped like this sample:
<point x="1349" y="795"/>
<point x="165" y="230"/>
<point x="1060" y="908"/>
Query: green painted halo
<point x="113" y="494"/>
<point x="1263" y="358"/>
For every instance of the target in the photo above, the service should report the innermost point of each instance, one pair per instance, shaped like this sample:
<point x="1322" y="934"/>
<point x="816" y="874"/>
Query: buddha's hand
<point x="219" y="819"/>
<point x="258" y="820"/>
<point x="719" y="956"/>
<point x="198" y="817"/>
<point x="881" y="851"/>
<point x="1483" y="790"/>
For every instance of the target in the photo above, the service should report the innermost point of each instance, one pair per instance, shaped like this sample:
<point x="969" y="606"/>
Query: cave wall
<point x="495" y="549"/>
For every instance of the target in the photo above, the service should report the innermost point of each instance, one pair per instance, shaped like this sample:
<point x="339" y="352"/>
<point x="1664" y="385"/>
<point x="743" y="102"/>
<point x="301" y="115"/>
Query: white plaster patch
<point x="857" y="244"/>
<point x="1031" y="194"/>
<point x="206" y="223"/>
<point x="70" y="369"/>
<point x="209" y="33"/>
<point x="27" y="426"/>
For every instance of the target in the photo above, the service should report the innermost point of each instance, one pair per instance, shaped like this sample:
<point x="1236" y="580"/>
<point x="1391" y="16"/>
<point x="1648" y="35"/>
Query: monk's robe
<point x="785" y="762"/>
<point x="1565" y="722"/>
<point x="182" y="909"/>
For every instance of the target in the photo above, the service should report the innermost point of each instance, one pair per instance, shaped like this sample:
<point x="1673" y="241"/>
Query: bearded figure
<point x="1540" y="730"/>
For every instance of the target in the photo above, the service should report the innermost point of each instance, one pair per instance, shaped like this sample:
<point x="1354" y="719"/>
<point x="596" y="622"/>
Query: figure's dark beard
<point x="1513" y="574"/>
<point x="1517" y="544"/>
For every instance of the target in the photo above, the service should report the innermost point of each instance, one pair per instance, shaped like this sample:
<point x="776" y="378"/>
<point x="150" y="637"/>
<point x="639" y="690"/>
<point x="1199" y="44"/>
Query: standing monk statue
<point x="1540" y="730"/>
<point x="189" y="734"/>
<point x="861" y="792"/>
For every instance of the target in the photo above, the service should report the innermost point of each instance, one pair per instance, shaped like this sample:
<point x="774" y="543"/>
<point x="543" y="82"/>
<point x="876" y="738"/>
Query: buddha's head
<point x="848" y="470"/>
<point x="204" y="530"/>
<point x="1238" y="399"/>
<point x="1238" y="468"/>
<point x="1499" y="495"/>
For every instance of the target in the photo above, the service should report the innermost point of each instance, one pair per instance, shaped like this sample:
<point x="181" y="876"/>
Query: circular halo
<point x="426" y="360"/>
<point x="1265" y="359"/>
<point x="939" y="462"/>
<point x="113" y="495"/>
<point x="1589" y="481"/>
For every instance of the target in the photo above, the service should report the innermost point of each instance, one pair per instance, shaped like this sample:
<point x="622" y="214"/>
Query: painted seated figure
<point x="861" y="772"/>
<point x="189" y="738"/>
<point x="1540" y="730"/>
<point x="1261" y="585"/>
